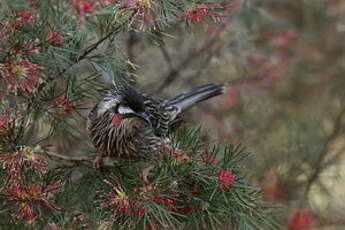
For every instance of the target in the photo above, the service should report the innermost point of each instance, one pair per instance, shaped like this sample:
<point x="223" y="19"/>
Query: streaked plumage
<point x="126" y="124"/>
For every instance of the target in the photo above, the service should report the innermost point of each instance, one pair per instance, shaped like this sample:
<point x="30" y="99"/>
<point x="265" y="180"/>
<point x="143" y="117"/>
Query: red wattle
<point x="117" y="119"/>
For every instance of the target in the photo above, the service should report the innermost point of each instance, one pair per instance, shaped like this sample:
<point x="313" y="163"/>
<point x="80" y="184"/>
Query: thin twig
<point x="94" y="46"/>
<point x="167" y="57"/>
<point x="68" y="160"/>
<point x="175" y="72"/>
<point x="131" y="42"/>
<point x="203" y="65"/>
<point x="319" y="163"/>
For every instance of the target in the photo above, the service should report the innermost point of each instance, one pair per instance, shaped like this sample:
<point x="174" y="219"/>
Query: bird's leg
<point x="145" y="173"/>
<point x="98" y="163"/>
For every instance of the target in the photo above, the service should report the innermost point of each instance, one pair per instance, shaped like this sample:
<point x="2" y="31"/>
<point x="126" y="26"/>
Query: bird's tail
<point x="191" y="97"/>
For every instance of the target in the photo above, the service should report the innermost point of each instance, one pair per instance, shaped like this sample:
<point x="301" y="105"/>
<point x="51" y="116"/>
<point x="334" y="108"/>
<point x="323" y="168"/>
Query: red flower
<point x="21" y="74"/>
<point x="13" y="163"/>
<point x="27" y="213"/>
<point x="54" y="39"/>
<point x="116" y="201"/>
<point x="25" y="198"/>
<point x="27" y="17"/>
<point x="29" y="48"/>
<point x="226" y="180"/>
<point x="66" y="105"/>
<point x="140" y="211"/>
<point x="4" y="120"/>
<point x="168" y="202"/>
<point x="144" y="13"/>
<point x="301" y="220"/>
<point x="85" y="7"/>
<point x="88" y="7"/>
<point x="157" y="199"/>
<point x="201" y="12"/>
<point x="186" y="210"/>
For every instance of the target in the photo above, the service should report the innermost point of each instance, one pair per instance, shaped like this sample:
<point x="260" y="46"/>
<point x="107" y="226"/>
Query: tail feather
<point x="189" y="98"/>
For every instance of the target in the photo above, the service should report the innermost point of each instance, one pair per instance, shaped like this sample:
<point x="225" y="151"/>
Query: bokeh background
<point x="283" y="61"/>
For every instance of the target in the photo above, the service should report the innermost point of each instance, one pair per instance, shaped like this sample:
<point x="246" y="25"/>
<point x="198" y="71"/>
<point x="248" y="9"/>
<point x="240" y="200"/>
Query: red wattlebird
<point x="125" y="124"/>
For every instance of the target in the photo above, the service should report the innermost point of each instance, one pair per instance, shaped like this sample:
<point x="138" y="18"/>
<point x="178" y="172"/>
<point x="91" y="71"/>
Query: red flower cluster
<point x="54" y="39"/>
<point x="301" y="220"/>
<point x="66" y="105"/>
<point x="6" y="129"/>
<point x="140" y="211"/>
<point x="17" y="72"/>
<point x="27" y="17"/>
<point x="168" y="202"/>
<point x="185" y="210"/>
<point x="201" y="12"/>
<point x="226" y="180"/>
<point x="144" y="12"/>
<point x="84" y="7"/>
<point x="20" y="20"/>
<point x="26" y="198"/>
<point x="21" y="192"/>
<point x="116" y="201"/>
<point x="29" y="48"/>
<point x="13" y="163"/>
<point x="4" y="121"/>
<point x="173" y="205"/>
<point x="21" y="74"/>
<point x="119" y="205"/>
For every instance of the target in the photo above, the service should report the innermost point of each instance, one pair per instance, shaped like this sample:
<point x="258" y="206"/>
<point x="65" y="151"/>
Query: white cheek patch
<point x="124" y="110"/>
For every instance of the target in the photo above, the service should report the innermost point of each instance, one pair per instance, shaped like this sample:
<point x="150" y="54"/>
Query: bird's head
<point x="124" y="102"/>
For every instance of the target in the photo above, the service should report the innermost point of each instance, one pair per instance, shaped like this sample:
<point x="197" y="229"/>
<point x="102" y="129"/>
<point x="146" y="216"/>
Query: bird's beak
<point x="125" y="110"/>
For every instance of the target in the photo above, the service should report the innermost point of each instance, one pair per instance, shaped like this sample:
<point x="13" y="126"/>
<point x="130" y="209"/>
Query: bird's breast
<point x="126" y="138"/>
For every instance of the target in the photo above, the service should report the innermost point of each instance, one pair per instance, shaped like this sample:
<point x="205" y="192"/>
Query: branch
<point x="78" y="161"/>
<point x="130" y="43"/>
<point x="167" y="57"/>
<point x="203" y="65"/>
<point x="175" y="72"/>
<point x="94" y="46"/>
<point x="67" y="160"/>
<point x="319" y="166"/>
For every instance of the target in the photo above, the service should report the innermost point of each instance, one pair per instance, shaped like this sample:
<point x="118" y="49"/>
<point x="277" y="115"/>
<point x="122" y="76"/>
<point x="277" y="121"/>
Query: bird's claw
<point x="145" y="174"/>
<point x="97" y="163"/>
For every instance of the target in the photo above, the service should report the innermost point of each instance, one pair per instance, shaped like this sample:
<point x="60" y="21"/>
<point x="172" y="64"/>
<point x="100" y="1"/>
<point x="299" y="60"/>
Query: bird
<point x="126" y="124"/>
